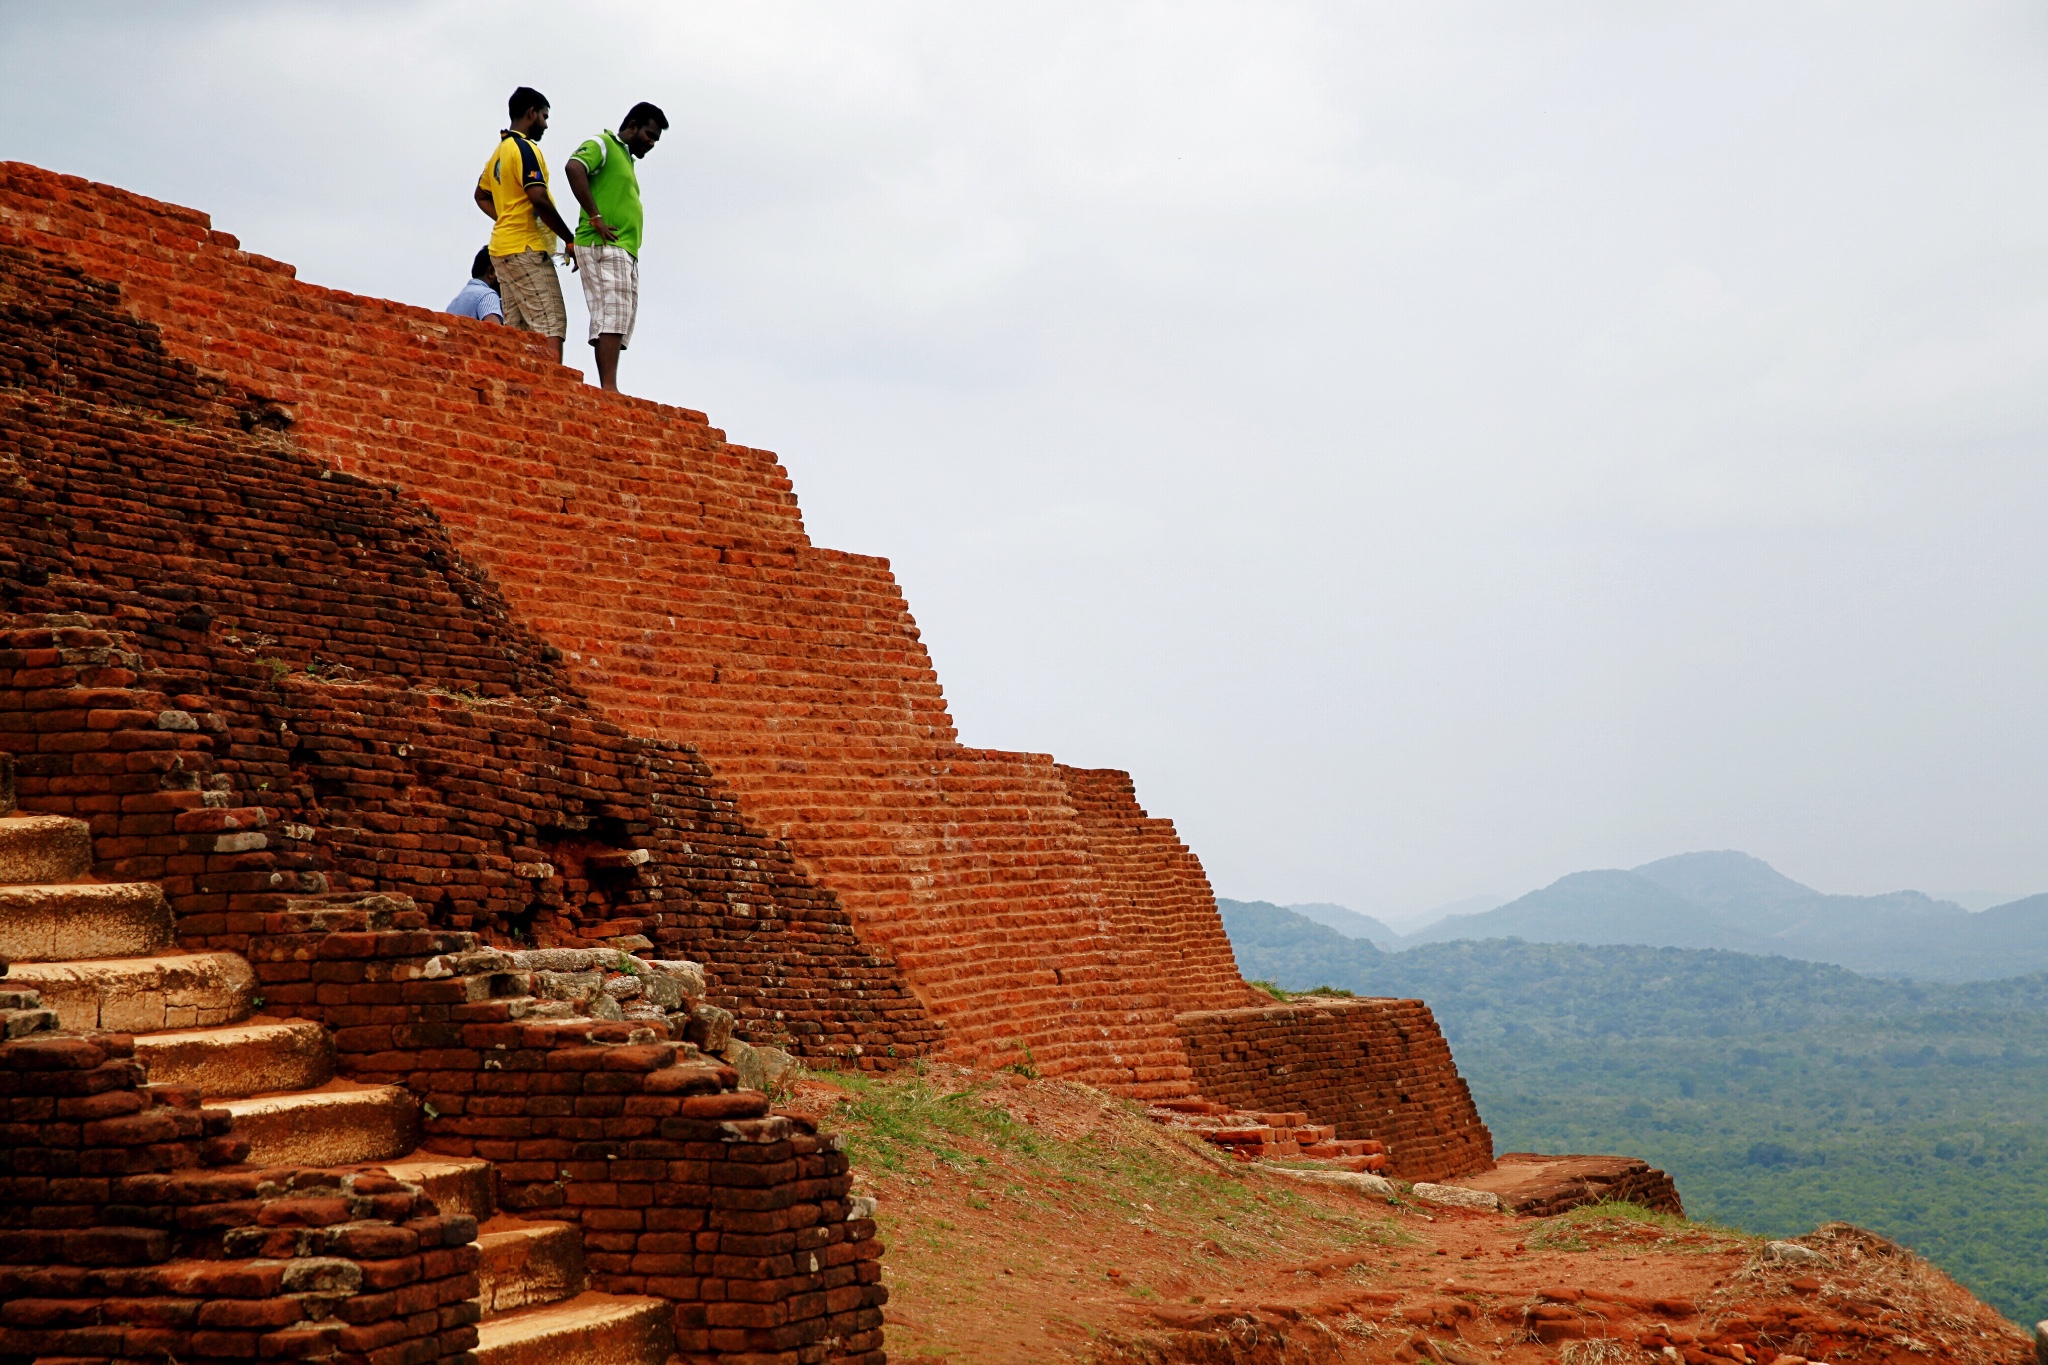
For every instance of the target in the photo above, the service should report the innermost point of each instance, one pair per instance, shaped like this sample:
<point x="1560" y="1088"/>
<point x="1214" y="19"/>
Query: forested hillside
<point x="1780" y="1093"/>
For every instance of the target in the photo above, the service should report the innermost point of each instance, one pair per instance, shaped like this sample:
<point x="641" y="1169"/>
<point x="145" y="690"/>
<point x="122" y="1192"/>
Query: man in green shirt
<point x="607" y="185"/>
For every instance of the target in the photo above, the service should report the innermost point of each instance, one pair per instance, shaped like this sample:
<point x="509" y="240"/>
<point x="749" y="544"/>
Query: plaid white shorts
<point x="532" y="294"/>
<point x="611" y="288"/>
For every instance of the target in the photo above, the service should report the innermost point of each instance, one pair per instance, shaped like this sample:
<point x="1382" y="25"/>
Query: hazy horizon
<point x="1405" y="920"/>
<point x="1434" y="449"/>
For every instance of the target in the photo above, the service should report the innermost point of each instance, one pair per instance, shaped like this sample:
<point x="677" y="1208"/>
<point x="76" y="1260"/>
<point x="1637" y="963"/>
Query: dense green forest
<point x="1780" y="1094"/>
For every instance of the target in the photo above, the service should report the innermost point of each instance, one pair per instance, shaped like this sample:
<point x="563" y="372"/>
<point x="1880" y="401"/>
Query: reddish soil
<point x="1043" y="1220"/>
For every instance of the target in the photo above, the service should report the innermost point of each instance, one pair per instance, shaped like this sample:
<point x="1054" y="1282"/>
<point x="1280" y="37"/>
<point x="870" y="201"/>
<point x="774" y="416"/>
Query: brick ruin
<point x="396" y="722"/>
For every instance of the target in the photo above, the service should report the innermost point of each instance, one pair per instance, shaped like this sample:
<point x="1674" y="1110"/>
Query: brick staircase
<point x="1251" y="1135"/>
<point x="537" y="1307"/>
<point x="101" y="956"/>
<point x="97" y="957"/>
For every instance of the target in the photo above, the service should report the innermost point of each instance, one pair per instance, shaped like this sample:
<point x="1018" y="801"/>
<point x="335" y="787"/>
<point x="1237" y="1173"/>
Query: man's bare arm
<point x="486" y="203"/>
<point x="579" y="184"/>
<point x="545" y="207"/>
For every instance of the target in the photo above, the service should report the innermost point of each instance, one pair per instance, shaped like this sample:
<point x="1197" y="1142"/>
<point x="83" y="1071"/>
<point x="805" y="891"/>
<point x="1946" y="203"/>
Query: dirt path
<point x="1037" y="1220"/>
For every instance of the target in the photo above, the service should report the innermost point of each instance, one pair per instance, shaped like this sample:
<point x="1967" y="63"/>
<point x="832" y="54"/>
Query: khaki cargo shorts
<point x="532" y="294"/>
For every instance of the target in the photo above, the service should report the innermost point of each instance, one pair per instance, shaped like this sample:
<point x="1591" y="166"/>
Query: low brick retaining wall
<point x="1370" y="1068"/>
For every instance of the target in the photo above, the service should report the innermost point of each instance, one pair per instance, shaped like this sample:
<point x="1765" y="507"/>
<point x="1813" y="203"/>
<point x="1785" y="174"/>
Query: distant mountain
<point x="1357" y="924"/>
<point x="1600" y="907"/>
<point x="1464" y="905"/>
<point x="1731" y="901"/>
<point x="1344" y="920"/>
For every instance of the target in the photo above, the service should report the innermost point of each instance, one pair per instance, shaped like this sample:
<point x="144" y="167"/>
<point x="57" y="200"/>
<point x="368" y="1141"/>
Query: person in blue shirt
<point x="479" y="298"/>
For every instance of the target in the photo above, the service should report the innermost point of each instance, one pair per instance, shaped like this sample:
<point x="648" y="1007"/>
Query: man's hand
<point x="579" y="184"/>
<point x="544" y="209"/>
<point x="569" y="254"/>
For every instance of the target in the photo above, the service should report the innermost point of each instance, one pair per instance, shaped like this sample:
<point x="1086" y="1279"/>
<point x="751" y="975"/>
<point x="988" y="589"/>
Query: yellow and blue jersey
<point x="516" y="164"/>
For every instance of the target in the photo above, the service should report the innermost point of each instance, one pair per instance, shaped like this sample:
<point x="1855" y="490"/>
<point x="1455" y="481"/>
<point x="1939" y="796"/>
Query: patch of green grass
<point x="887" y="1122"/>
<point x="1558" y="1237"/>
<point x="1616" y="1210"/>
<point x="1283" y="994"/>
<point x="901" y="1124"/>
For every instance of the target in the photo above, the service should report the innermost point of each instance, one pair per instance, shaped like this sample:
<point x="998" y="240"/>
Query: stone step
<point x="590" y="1329"/>
<point x="20" y="1023"/>
<point x="68" y="921"/>
<point x="338" y="1124"/>
<point x="143" y="994"/>
<point x="234" y="1061"/>
<point x="464" y="1184"/>
<point x="528" y="1264"/>
<point x="44" y="848"/>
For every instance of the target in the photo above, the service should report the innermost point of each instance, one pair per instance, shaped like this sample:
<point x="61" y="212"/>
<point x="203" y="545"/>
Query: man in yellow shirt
<point x="513" y="193"/>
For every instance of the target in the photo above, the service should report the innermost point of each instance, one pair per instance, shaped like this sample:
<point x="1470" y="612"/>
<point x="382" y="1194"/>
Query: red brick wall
<point x="672" y="571"/>
<point x="1373" y="1068"/>
<point x="314" y="656"/>
<point x="1156" y="893"/>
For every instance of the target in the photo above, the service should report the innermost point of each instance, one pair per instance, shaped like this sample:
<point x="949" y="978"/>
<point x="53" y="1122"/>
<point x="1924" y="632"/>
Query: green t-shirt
<point x="615" y="186"/>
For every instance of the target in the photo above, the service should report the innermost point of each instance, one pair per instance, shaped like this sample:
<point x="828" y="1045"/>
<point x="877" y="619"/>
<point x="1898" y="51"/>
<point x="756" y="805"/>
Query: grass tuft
<point x="1568" y="1231"/>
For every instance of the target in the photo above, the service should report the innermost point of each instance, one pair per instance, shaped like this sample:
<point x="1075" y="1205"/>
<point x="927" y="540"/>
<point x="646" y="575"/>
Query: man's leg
<point x="607" y="347"/>
<point x="554" y="314"/>
<point x="532" y="296"/>
<point x="508" y="293"/>
<point x="607" y="277"/>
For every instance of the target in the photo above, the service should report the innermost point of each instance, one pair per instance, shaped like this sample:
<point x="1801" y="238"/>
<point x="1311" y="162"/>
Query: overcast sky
<point x="1435" y="447"/>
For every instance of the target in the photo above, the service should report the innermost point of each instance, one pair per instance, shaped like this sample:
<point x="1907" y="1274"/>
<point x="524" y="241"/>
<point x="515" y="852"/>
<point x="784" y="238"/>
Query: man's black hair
<point x="480" y="268"/>
<point x="644" y="115"/>
<point x="524" y="100"/>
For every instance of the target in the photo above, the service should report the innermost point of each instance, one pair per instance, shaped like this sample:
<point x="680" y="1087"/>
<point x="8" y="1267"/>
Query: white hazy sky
<point x="1436" y="447"/>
